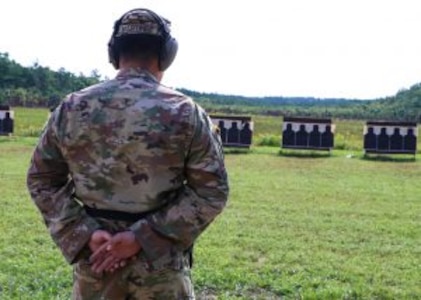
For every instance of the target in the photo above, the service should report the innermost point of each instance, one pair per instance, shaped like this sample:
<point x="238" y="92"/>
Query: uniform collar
<point x="136" y="73"/>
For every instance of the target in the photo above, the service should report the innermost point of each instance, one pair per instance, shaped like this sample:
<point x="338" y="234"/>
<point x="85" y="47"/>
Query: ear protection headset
<point x="168" y="48"/>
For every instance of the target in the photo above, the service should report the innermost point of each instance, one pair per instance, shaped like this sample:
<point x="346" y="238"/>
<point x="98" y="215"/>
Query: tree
<point x="37" y="85"/>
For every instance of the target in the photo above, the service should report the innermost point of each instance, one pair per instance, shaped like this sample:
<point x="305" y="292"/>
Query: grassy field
<point x="296" y="226"/>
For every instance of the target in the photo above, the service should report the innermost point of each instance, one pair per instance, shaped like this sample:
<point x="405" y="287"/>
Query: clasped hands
<point x="111" y="252"/>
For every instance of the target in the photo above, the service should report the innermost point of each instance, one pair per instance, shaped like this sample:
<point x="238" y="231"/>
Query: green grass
<point x="29" y="121"/>
<point x="267" y="129"/>
<point x="30" y="266"/>
<point x="318" y="228"/>
<point x="297" y="226"/>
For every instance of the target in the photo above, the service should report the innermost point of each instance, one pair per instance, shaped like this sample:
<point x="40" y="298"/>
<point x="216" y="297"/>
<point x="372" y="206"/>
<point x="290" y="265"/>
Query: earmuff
<point x="167" y="51"/>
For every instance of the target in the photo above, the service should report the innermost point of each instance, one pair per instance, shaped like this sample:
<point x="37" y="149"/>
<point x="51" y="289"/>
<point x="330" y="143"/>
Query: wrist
<point x="134" y="240"/>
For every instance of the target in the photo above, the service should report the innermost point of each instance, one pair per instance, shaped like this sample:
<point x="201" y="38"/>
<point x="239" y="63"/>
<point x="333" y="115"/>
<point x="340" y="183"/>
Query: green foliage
<point x="349" y="134"/>
<point x="40" y="86"/>
<point x="37" y="85"/>
<point x="405" y="106"/>
<point x="268" y="140"/>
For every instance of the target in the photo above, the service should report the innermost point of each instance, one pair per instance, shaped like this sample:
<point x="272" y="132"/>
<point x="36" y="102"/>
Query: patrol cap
<point x="141" y="21"/>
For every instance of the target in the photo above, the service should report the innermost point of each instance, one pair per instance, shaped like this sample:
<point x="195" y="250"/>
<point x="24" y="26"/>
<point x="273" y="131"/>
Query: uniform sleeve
<point x="51" y="189"/>
<point x="177" y="225"/>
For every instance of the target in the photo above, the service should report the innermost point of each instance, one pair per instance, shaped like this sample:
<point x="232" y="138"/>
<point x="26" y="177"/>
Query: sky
<point x="356" y="49"/>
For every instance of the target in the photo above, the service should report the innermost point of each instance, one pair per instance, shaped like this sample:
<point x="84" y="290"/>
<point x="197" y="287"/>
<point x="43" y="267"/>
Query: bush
<point x="268" y="140"/>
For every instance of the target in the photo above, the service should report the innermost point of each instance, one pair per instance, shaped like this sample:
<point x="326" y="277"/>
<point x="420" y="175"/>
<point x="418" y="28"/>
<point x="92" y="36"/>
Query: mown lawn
<point x="297" y="226"/>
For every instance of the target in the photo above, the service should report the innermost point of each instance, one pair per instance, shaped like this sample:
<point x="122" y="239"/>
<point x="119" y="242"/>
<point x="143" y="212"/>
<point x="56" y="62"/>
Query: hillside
<point x="404" y="106"/>
<point x="43" y="87"/>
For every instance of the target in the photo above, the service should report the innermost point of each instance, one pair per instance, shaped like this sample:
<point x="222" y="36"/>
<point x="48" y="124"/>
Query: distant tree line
<point x="404" y="106"/>
<point x="39" y="86"/>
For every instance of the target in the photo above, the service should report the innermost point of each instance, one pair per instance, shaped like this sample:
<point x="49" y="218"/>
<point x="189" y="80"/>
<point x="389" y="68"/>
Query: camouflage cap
<point x="142" y="21"/>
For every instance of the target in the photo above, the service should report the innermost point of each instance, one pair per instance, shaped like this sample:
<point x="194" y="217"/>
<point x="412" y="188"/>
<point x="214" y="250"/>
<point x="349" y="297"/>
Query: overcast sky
<point x="326" y="48"/>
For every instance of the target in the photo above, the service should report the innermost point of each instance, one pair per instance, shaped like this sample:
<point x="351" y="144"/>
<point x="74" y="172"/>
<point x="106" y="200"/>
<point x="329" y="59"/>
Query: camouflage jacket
<point x="129" y="144"/>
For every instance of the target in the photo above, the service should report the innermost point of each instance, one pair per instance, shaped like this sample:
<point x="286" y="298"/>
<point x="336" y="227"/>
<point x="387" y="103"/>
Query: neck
<point x="150" y="66"/>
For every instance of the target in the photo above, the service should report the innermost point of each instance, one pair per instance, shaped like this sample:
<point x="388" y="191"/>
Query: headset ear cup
<point x="168" y="52"/>
<point x="112" y="55"/>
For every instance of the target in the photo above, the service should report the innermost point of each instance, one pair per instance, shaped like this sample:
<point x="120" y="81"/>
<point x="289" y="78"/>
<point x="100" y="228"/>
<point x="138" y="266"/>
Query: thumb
<point x="101" y="236"/>
<point x="116" y="239"/>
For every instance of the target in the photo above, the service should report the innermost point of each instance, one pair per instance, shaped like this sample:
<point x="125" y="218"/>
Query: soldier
<point x="128" y="173"/>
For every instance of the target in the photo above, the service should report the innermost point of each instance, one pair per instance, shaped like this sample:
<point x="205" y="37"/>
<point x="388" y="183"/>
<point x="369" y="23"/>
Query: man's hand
<point x="98" y="238"/>
<point x="114" y="253"/>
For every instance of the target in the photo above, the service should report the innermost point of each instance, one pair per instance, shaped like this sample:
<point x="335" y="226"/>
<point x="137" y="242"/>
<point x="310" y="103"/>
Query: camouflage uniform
<point x="130" y="145"/>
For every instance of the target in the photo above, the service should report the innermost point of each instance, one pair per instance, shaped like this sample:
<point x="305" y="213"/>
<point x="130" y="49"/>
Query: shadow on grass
<point x="389" y="157"/>
<point x="231" y="150"/>
<point x="17" y="141"/>
<point x="305" y="153"/>
<point x="6" y="137"/>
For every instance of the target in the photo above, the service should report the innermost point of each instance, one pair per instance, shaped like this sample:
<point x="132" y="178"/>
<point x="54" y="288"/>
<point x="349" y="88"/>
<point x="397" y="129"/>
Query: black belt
<point x="115" y="214"/>
<point x="129" y="217"/>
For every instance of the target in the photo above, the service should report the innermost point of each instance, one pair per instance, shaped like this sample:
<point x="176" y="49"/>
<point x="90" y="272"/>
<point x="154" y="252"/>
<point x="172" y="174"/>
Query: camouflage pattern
<point x="132" y="282"/>
<point x="141" y="22"/>
<point x="131" y="145"/>
<point x="165" y="278"/>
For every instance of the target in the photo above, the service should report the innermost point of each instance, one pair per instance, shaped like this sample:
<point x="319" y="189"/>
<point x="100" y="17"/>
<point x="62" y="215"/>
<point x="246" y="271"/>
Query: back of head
<point x="141" y="33"/>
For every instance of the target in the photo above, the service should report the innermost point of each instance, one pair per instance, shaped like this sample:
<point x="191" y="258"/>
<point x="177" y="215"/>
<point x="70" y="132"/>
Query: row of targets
<point x="308" y="133"/>
<point x="319" y="133"/>
<point x="390" y="137"/>
<point x="297" y="133"/>
<point x="234" y="131"/>
<point x="6" y="120"/>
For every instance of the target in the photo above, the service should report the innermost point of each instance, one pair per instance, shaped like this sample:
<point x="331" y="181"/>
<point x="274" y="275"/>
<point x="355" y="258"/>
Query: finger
<point x="109" y="246"/>
<point x="118" y="265"/>
<point x="114" y="267"/>
<point x="105" y="264"/>
<point x="100" y="253"/>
